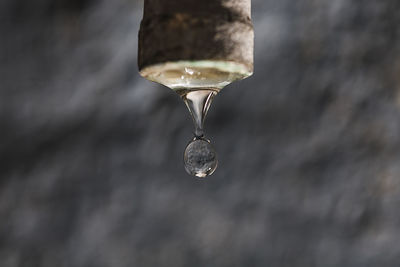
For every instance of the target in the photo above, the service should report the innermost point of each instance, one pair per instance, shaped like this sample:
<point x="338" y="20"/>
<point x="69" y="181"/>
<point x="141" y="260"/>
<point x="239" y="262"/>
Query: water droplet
<point x="200" y="158"/>
<point x="189" y="71"/>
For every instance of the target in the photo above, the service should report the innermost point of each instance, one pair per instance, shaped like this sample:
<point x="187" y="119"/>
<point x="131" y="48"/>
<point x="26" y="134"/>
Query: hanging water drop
<point x="200" y="158"/>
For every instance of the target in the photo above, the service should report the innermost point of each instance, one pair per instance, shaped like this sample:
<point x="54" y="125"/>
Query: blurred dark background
<point x="91" y="169"/>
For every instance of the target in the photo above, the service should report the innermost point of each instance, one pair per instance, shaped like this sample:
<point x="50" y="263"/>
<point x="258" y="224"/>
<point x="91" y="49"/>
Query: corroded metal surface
<point x="196" y="30"/>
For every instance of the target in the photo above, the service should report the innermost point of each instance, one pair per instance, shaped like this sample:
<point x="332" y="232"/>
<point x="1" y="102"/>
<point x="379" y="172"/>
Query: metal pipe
<point x="196" y="30"/>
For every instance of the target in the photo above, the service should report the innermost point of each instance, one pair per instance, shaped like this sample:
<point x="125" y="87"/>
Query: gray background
<point x="91" y="154"/>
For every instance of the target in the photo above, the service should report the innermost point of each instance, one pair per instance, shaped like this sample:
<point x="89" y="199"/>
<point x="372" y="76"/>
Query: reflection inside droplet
<point x="200" y="158"/>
